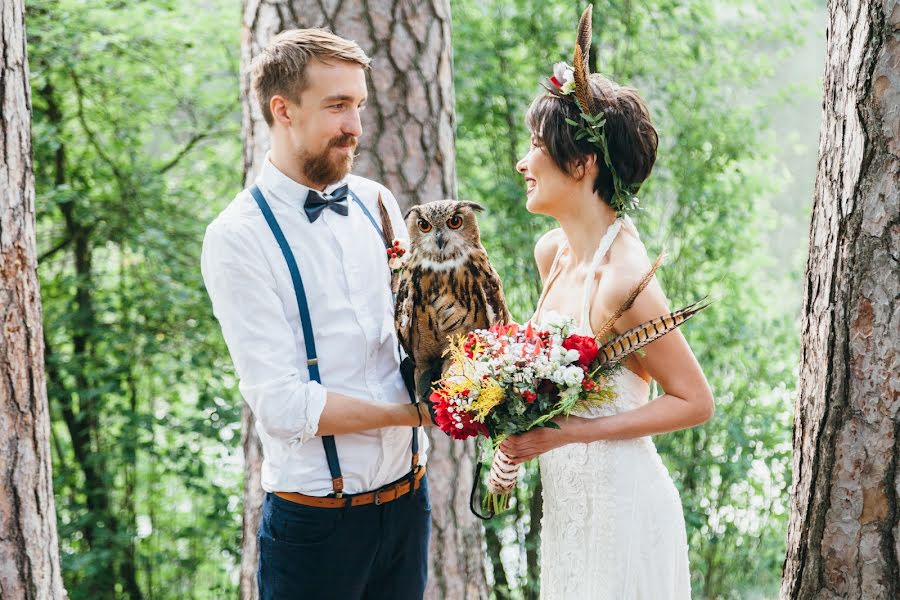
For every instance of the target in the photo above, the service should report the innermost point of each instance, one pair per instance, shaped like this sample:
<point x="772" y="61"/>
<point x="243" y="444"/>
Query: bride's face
<point x="547" y="187"/>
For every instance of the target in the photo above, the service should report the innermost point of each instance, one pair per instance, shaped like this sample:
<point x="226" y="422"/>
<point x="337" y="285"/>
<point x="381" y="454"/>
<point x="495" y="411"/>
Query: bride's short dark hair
<point x="630" y="135"/>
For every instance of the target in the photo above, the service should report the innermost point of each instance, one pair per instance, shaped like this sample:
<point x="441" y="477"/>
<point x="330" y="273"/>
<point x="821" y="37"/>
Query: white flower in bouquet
<point x="559" y="325"/>
<point x="573" y="376"/>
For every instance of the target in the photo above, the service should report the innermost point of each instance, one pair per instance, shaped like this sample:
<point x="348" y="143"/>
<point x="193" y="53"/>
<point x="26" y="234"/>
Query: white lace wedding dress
<point x="613" y="526"/>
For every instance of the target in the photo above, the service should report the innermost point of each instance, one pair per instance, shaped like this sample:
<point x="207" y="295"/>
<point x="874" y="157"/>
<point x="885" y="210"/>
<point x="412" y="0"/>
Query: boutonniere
<point x="397" y="249"/>
<point x="397" y="255"/>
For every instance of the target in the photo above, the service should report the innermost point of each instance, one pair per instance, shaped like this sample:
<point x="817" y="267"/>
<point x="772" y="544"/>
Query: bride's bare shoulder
<point x="545" y="250"/>
<point x="630" y="262"/>
<point x="629" y="258"/>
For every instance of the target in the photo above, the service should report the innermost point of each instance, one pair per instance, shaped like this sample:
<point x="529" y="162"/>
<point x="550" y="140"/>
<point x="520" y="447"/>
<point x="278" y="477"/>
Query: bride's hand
<point x="525" y="446"/>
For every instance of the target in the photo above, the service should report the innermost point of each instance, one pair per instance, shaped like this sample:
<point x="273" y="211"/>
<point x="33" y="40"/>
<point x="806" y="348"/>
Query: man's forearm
<point x="344" y="414"/>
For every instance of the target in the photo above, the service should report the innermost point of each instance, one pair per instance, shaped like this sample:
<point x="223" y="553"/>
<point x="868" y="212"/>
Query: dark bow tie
<point x="316" y="202"/>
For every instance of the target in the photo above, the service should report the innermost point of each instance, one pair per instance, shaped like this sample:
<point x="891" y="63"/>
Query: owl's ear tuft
<point x="473" y="205"/>
<point x="412" y="209"/>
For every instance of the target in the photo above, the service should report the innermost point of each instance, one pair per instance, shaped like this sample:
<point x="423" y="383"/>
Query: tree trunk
<point x="29" y="548"/>
<point x="843" y="532"/>
<point x="407" y="144"/>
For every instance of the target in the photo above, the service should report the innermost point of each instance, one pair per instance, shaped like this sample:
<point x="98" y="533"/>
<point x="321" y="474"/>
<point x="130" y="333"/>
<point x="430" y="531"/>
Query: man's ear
<point x="278" y="105"/>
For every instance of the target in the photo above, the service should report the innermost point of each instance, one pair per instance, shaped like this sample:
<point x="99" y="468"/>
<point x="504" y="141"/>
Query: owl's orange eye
<point x="454" y="222"/>
<point x="424" y="226"/>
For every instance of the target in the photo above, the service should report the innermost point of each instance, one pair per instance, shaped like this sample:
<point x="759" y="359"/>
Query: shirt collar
<point x="285" y="188"/>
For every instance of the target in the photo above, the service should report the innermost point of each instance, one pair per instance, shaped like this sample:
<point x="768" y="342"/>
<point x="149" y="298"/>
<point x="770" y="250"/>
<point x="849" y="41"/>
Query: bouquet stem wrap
<point x="501" y="482"/>
<point x="503" y="474"/>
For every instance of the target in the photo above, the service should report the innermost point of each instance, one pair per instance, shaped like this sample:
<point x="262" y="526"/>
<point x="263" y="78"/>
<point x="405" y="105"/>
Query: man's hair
<point x="280" y="69"/>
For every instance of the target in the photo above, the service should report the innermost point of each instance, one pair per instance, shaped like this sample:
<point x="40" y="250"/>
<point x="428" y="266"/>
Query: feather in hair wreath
<point x="574" y="82"/>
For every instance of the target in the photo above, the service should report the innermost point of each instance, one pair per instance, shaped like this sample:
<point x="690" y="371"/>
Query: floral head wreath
<point x="574" y="83"/>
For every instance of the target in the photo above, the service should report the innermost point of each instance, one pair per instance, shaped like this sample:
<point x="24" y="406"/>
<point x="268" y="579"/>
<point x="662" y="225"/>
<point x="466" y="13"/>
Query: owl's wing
<point x="491" y="289"/>
<point x="403" y="313"/>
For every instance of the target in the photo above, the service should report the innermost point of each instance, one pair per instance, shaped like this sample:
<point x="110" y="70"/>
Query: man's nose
<point x="353" y="125"/>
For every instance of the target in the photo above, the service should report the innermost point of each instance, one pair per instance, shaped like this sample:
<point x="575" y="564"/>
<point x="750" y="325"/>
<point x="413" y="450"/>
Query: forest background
<point x="137" y="143"/>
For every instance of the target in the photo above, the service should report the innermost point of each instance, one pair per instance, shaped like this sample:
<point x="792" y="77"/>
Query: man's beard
<point x="324" y="169"/>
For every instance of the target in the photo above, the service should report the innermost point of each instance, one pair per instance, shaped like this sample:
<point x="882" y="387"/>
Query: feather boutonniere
<point x="396" y="249"/>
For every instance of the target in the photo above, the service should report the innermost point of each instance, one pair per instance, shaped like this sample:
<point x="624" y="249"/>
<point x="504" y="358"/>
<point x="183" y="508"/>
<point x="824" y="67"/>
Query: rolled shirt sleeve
<point x="242" y="288"/>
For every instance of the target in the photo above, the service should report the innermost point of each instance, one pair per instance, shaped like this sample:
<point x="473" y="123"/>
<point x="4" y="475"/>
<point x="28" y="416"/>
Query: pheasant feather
<point x="386" y="228"/>
<point x="636" y="338"/>
<point x="580" y="68"/>
<point x="643" y="283"/>
<point x="583" y="42"/>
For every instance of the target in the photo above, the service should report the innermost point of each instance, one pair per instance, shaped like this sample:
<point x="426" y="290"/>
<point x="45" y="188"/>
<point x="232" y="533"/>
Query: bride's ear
<point x="585" y="166"/>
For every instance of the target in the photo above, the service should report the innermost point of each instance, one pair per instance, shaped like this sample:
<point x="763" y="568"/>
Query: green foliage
<point x="136" y="133"/>
<point x="127" y="99"/>
<point x="707" y="203"/>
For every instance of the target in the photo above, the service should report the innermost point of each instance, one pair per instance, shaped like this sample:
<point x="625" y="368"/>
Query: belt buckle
<point x="378" y="498"/>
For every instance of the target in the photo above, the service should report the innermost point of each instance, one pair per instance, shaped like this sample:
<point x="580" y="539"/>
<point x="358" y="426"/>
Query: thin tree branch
<point x="196" y="139"/>
<point x="92" y="138"/>
<point x="61" y="245"/>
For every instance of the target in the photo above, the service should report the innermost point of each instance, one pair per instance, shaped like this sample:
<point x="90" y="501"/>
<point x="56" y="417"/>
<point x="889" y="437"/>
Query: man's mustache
<point x="344" y="140"/>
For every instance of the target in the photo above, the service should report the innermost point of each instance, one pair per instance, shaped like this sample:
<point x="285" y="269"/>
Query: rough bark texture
<point x="29" y="556"/>
<point x="407" y="144"/>
<point x="843" y="533"/>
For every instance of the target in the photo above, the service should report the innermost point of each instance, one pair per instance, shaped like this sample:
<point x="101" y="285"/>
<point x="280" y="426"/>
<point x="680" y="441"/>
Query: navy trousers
<point x="363" y="552"/>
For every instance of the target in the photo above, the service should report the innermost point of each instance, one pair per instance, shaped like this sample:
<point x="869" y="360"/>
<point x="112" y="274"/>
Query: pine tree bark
<point x="843" y="537"/>
<point x="408" y="145"/>
<point x="29" y="548"/>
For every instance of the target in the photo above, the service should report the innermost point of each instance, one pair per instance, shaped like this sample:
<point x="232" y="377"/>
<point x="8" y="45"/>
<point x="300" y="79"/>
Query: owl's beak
<point x="441" y="242"/>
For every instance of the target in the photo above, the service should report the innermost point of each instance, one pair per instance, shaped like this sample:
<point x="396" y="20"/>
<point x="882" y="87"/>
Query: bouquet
<point x="509" y="379"/>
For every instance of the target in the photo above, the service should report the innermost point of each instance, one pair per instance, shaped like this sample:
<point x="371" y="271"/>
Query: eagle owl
<point x="447" y="288"/>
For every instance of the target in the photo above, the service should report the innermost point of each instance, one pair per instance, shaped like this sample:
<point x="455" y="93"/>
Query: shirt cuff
<point x="316" y="397"/>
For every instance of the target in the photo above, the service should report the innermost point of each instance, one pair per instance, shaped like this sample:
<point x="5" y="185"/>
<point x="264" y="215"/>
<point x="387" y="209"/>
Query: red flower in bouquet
<point x="586" y="347"/>
<point x="457" y="423"/>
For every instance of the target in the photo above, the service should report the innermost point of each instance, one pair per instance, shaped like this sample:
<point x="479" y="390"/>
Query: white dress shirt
<point x="343" y="263"/>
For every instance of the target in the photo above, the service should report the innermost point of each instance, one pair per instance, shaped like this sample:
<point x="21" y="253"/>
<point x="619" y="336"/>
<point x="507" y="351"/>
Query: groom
<point x="297" y="272"/>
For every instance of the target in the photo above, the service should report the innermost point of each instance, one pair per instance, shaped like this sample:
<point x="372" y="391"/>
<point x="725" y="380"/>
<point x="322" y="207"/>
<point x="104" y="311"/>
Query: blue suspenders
<point x="312" y="362"/>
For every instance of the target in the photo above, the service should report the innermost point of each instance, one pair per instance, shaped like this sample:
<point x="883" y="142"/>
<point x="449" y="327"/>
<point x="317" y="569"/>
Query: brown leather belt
<point x="388" y="493"/>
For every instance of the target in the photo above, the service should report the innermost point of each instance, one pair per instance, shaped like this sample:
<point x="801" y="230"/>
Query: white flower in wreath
<point x="563" y="78"/>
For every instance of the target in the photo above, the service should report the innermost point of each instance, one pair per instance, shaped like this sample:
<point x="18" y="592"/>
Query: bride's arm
<point x="687" y="401"/>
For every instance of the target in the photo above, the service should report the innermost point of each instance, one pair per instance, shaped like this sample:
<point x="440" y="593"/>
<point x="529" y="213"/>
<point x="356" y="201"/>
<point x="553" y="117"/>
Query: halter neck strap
<point x="602" y="250"/>
<point x="605" y="244"/>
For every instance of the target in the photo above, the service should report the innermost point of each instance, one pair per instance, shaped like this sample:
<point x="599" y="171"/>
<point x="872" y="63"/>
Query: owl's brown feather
<point x="445" y="290"/>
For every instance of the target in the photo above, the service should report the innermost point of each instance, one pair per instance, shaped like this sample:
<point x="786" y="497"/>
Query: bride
<point x="613" y="525"/>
